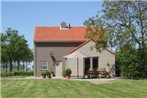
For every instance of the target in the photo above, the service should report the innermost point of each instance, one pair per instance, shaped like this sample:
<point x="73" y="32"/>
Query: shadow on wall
<point x="55" y="61"/>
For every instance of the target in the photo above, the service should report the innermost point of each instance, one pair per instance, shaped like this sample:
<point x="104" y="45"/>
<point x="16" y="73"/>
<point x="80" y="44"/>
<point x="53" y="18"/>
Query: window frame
<point x="43" y="65"/>
<point x="97" y="58"/>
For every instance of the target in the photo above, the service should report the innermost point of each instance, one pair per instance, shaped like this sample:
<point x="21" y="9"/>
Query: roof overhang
<point x="35" y="41"/>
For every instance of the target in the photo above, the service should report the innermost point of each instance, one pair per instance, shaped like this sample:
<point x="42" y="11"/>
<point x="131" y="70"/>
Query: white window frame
<point x="43" y="64"/>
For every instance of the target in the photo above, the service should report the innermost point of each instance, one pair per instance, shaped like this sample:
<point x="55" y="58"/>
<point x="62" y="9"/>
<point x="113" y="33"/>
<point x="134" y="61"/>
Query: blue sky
<point x="26" y="15"/>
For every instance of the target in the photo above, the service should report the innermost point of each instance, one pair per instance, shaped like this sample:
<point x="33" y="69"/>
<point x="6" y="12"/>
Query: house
<point x="57" y="48"/>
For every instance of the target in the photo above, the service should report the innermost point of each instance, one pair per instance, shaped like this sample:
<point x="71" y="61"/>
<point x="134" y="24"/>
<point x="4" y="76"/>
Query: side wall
<point x="76" y="65"/>
<point x="42" y="53"/>
<point x="106" y="58"/>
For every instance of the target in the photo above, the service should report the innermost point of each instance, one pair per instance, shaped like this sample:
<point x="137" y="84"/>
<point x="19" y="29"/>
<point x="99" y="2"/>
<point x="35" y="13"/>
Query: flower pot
<point x="64" y="75"/>
<point x="68" y="76"/>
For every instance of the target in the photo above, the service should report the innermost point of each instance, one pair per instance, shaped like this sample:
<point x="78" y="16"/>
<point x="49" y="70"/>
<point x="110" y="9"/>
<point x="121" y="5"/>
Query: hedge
<point x="17" y="73"/>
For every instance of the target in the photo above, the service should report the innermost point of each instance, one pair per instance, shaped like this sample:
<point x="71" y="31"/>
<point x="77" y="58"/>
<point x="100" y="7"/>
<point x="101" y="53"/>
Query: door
<point x="58" y="70"/>
<point x="86" y="65"/>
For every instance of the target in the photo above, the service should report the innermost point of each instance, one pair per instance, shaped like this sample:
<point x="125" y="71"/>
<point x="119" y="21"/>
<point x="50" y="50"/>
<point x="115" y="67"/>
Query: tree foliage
<point x="14" y="49"/>
<point x="127" y="62"/>
<point x="123" y="23"/>
<point x="97" y="32"/>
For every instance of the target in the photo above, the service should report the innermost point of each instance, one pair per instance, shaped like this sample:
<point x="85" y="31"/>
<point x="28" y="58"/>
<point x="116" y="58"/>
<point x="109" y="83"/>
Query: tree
<point x="14" y="49"/>
<point x="11" y="40"/>
<point x="28" y="57"/>
<point x="4" y="55"/>
<point x="21" y="49"/>
<point x="96" y="32"/>
<point x="125" y="22"/>
<point x="127" y="63"/>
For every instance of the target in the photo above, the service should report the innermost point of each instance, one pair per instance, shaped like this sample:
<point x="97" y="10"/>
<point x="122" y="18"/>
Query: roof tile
<point x="57" y="34"/>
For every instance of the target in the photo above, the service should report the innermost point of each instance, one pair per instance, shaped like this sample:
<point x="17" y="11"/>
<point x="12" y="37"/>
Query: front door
<point x="87" y="65"/>
<point x="91" y="62"/>
<point x="58" y="70"/>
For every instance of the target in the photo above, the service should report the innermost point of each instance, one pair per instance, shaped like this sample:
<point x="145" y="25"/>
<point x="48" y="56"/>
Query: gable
<point x="89" y="49"/>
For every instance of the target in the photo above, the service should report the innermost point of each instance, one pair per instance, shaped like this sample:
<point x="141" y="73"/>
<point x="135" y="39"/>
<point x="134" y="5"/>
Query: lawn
<point x="53" y="88"/>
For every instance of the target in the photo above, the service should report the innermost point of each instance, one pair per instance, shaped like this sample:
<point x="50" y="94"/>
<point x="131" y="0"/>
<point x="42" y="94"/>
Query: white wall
<point x="105" y="58"/>
<point x="72" y="64"/>
<point x="58" y="70"/>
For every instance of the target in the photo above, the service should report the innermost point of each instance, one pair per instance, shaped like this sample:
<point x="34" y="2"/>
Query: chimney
<point x="69" y="26"/>
<point x="63" y="25"/>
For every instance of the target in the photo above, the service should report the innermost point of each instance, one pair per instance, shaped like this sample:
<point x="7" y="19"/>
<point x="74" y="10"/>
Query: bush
<point x="5" y="74"/>
<point x="43" y="73"/>
<point x="130" y="71"/>
<point x="128" y="62"/>
<point x="67" y="71"/>
<point x="17" y="73"/>
<point x="48" y="74"/>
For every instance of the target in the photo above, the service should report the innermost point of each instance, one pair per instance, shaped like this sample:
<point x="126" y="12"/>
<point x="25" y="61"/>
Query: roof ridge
<point x="56" y="26"/>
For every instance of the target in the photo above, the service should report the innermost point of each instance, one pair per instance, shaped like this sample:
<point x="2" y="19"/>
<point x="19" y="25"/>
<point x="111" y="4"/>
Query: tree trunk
<point x="6" y="67"/>
<point x="18" y="64"/>
<point x="142" y="54"/>
<point x="23" y="66"/>
<point x="26" y="66"/>
<point x="11" y="66"/>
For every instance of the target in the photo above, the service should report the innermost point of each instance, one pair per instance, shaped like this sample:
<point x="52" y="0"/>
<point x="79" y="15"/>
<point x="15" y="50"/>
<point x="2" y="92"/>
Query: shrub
<point x="48" y="74"/>
<point x="43" y="74"/>
<point x="130" y="71"/>
<point x="5" y="74"/>
<point x="127" y="59"/>
<point x="17" y="73"/>
<point x="68" y="71"/>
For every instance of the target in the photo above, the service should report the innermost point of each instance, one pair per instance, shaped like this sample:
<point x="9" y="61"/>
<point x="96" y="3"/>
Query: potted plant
<point x="67" y="72"/>
<point x="53" y="74"/>
<point x="48" y="74"/>
<point x="43" y="74"/>
<point x="64" y="73"/>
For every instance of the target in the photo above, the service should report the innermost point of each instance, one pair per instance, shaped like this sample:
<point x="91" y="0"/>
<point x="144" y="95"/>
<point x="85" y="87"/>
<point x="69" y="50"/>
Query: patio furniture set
<point x="97" y="73"/>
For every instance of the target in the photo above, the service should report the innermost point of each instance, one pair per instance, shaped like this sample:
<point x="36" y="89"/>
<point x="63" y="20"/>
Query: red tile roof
<point x="57" y="34"/>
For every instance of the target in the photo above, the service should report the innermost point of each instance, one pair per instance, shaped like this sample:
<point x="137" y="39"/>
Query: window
<point x="95" y="62"/>
<point x="43" y="65"/>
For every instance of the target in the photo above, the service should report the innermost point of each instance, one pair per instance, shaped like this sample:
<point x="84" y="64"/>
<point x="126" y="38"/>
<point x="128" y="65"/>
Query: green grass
<point x="53" y="88"/>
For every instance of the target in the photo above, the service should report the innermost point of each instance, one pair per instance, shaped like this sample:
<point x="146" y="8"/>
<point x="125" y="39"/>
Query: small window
<point x="43" y="65"/>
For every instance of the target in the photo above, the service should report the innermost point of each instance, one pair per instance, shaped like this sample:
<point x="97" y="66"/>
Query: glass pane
<point x="95" y="62"/>
<point x="43" y="65"/>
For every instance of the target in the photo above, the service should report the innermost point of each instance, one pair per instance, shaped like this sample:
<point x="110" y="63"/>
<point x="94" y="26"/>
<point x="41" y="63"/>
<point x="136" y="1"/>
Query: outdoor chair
<point x="92" y="72"/>
<point x="102" y="72"/>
